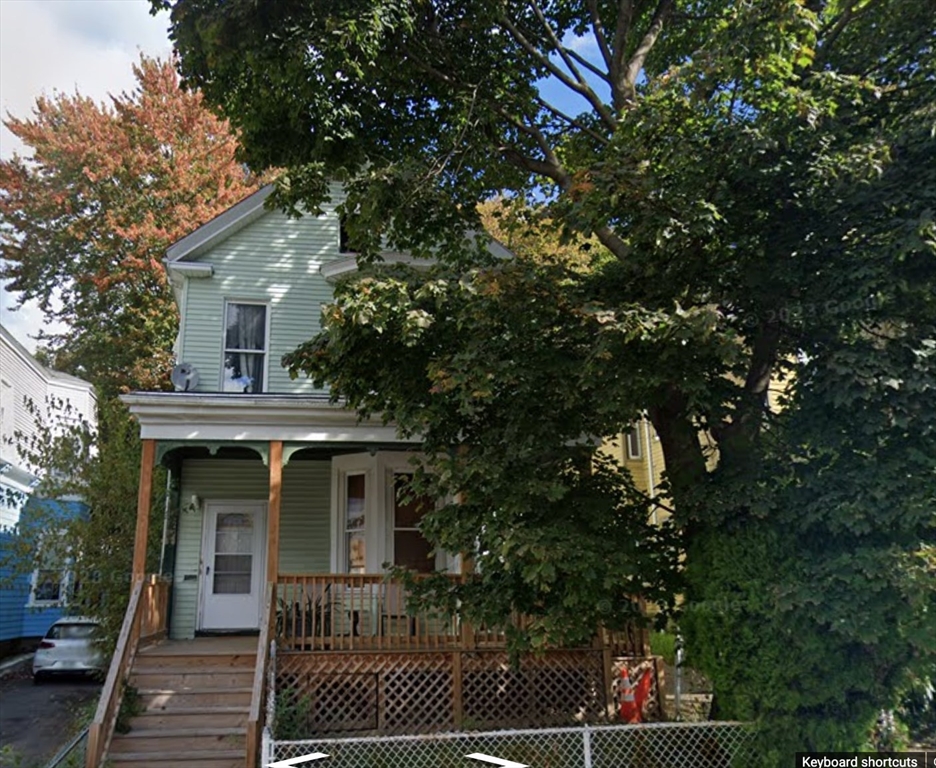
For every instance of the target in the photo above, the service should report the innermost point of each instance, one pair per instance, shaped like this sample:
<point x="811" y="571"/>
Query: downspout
<point x="651" y="485"/>
<point x="165" y="530"/>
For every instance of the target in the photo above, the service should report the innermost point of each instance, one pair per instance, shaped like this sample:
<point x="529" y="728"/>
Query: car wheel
<point x="38" y="679"/>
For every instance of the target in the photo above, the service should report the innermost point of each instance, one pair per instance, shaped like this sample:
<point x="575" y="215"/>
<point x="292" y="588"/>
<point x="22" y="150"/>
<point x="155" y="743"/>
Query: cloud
<point x="49" y="46"/>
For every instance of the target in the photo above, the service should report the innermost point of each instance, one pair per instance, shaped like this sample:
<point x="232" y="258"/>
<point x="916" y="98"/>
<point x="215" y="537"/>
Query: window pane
<point x="355" y="506"/>
<point x="245" y="326"/>
<point x="411" y="550"/>
<point x="243" y="372"/>
<point x="355" y="519"/>
<point x="355" y="552"/>
<point x="409" y="509"/>
<point x="48" y="585"/>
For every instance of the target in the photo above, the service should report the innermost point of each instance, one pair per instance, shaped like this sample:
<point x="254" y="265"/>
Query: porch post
<point x="273" y="512"/>
<point x="144" y="502"/>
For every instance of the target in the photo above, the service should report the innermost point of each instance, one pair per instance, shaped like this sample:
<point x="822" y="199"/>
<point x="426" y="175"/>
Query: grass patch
<point x="663" y="644"/>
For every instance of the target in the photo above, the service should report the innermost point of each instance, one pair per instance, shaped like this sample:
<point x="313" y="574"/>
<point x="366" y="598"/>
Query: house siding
<point x="304" y="521"/>
<point x="275" y="260"/>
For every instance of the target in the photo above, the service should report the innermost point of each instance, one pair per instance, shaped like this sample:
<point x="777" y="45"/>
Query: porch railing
<point x="255" y="720"/>
<point x="349" y="612"/>
<point x="346" y="612"/>
<point x="144" y="621"/>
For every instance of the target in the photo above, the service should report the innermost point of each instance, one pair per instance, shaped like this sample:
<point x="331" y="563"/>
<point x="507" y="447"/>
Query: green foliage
<point x="663" y="644"/>
<point x="292" y="715"/>
<point x="917" y="707"/>
<point x="762" y="177"/>
<point x="130" y="707"/>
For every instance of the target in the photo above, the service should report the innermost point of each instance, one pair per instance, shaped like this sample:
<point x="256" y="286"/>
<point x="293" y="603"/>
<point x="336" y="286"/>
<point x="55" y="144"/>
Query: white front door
<point x="233" y="554"/>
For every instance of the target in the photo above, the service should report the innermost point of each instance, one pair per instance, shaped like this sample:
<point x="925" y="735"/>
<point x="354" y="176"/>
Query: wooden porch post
<point x="273" y="513"/>
<point x="144" y="502"/>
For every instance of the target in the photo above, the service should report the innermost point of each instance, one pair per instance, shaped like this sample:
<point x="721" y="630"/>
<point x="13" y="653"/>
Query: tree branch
<point x="600" y="36"/>
<point x="613" y="242"/>
<point x="557" y="44"/>
<point x="628" y="84"/>
<point x="619" y="51"/>
<point x="592" y="98"/>
<point x="837" y="26"/>
<point x="588" y="65"/>
<point x="603" y="140"/>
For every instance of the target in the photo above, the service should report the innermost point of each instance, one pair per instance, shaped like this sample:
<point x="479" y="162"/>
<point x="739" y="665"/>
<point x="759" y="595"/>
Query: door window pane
<point x="233" y="560"/>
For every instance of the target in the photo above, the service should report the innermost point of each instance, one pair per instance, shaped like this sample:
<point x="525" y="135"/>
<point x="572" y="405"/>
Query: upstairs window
<point x="245" y="347"/>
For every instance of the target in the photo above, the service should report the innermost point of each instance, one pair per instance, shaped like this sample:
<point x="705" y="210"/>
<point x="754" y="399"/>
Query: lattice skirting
<point x="407" y="693"/>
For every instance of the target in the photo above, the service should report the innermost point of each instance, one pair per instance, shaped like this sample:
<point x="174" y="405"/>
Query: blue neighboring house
<point x="30" y="602"/>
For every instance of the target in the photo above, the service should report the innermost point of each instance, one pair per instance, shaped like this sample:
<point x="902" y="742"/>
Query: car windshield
<point x="72" y="631"/>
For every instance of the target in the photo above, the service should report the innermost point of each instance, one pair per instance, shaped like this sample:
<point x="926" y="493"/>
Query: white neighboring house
<point x="24" y="379"/>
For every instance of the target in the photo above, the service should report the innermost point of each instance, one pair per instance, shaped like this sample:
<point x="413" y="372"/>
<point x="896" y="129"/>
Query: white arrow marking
<point x="497" y="761"/>
<point x="296" y="760"/>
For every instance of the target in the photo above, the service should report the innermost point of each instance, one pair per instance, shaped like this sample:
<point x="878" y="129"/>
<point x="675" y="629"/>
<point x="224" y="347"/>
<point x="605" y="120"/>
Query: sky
<point x="49" y="46"/>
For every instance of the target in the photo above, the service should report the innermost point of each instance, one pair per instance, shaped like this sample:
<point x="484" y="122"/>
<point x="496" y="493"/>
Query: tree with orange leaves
<point x="87" y="217"/>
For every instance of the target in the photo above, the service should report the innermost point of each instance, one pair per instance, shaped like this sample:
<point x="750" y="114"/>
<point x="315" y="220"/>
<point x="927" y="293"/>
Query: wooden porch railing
<point x="255" y="720"/>
<point x="350" y="612"/>
<point x="317" y="612"/>
<point x="144" y="621"/>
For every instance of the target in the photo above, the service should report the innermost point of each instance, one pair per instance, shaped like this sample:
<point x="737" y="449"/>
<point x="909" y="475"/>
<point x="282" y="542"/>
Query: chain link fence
<point x="653" y="745"/>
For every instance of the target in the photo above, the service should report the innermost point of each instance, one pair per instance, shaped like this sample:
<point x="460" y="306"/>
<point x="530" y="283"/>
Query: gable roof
<point x="239" y="216"/>
<point x="220" y="227"/>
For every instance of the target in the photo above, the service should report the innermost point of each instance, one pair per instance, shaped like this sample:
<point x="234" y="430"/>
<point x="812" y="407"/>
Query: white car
<point x="68" y="648"/>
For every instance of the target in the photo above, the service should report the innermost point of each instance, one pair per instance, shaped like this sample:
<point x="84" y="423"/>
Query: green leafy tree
<point x="88" y="214"/>
<point x="763" y="176"/>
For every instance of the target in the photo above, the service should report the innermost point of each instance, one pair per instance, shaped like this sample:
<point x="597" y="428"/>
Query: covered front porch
<point x="286" y="511"/>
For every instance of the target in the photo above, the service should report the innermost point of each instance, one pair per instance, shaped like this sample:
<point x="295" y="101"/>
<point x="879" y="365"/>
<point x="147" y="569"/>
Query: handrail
<point x="146" y="619"/>
<point x="67" y="750"/>
<point x="102" y="727"/>
<point x="257" y="709"/>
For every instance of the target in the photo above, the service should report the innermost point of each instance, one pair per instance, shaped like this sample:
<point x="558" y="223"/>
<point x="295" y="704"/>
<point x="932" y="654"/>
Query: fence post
<point x="586" y="746"/>
<point x="266" y="747"/>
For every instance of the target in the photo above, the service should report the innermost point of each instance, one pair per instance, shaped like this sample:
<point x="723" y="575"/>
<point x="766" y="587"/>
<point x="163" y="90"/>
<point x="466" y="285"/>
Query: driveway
<point x="36" y="720"/>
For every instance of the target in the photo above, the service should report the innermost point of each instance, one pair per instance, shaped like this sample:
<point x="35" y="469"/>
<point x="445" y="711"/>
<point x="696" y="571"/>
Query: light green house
<point x="250" y="285"/>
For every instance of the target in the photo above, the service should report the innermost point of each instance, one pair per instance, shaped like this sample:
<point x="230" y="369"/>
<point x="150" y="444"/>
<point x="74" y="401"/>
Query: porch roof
<point x="244" y="417"/>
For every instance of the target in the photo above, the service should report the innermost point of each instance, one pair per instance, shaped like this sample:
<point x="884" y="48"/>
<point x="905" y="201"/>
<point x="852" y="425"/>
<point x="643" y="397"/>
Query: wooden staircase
<point x="193" y="703"/>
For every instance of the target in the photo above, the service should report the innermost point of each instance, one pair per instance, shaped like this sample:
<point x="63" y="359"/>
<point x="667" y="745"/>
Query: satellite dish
<point x="184" y="377"/>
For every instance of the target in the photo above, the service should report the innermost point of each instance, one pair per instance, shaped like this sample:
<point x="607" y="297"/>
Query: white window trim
<point x="266" y="340"/>
<point x="632" y="454"/>
<point x="65" y="579"/>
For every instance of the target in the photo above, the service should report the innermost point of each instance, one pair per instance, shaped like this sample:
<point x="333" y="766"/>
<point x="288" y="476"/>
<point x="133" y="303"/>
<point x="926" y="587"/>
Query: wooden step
<point x="228" y="758"/>
<point x="160" y="698"/>
<point x="177" y="679"/>
<point x="191" y="717"/>
<point x="178" y="740"/>
<point x="156" y="660"/>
